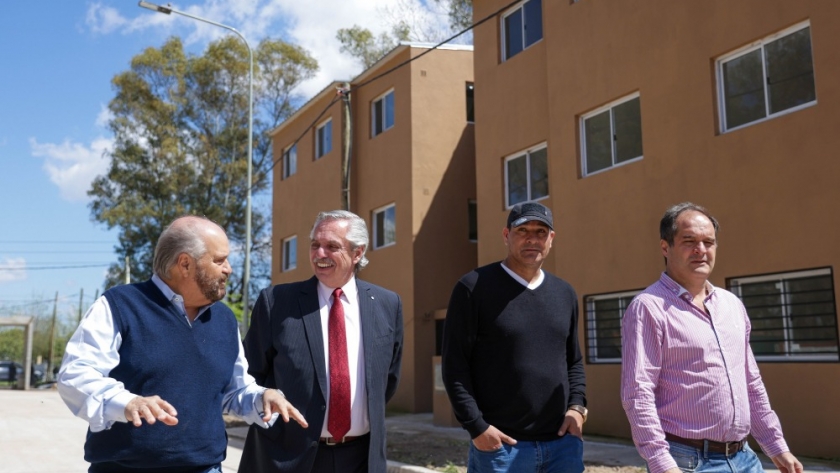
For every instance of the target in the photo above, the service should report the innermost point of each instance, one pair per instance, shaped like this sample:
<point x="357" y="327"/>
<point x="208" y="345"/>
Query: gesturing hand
<point x="150" y="409"/>
<point x="275" y="401"/>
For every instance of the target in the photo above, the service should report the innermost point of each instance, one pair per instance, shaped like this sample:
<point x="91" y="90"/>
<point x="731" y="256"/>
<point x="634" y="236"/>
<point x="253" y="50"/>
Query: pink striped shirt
<point x="691" y="374"/>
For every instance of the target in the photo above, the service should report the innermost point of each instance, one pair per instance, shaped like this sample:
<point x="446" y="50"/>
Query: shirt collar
<point x="349" y="289"/>
<point x="678" y="290"/>
<point x="176" y="299"/>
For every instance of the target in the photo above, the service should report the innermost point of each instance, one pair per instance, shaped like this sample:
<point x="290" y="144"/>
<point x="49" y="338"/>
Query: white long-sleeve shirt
<point x="93" y="351"/>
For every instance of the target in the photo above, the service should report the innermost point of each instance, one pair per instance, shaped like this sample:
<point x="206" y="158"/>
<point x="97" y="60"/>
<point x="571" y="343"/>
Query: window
<point x="323" y="139"/>
<point x="290" y="253"/>
<point x="384" y="226"/>
<point x="472" y="216"/>
<point x="611" y="135"/>
<point x="793" y="315"/>
<point x="382" y="113"/>
<point x="603" y="325"/>
<point x="770" y="77"/>
<point x="526" y="176"/>
<point x="521" y="27"/>
<point x="470" y="102"/>
<point x="289" y="161"/>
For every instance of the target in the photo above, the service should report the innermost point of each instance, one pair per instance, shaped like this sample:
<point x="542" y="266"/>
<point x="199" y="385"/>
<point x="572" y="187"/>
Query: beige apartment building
<point x="611" y="111"/>
<point x="412" y="178"/>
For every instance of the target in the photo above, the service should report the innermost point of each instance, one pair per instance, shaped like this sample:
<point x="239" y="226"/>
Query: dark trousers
<point x="350" y="457"/>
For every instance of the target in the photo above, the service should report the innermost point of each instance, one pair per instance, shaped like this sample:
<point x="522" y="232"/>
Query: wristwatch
<point x="579" y="409"/>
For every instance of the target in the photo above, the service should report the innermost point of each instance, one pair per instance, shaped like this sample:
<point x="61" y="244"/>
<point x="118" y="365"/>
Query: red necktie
<point x="339" y="421"/>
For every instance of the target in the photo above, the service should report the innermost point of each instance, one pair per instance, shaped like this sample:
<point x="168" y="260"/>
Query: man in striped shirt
<point x="689" y="382"/>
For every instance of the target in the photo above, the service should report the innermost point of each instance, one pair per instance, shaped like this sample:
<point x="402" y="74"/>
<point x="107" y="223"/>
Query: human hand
<point x="274" y="401"/>
<point x="491" y="440"/>
<point x="787" y="463"/>
<point x="573" y="424"/>
<point x="151" y="409"/>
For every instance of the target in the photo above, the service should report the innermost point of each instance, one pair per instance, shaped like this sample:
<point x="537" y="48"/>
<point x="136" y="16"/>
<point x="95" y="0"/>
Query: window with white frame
<point x="290" y="253"/>
<point x="323" y="139"/>
<point x="770" y="77"/>
<point x="382" y="113"/>
<point x="793" y="315"/>
<point x="521" y="27"/>
<point x="385" y="226"/>
<point x="290" y="161"/>
<point x="526" y="176"/>
<point x="611" y="135"/>
<point x="603" y="325"/>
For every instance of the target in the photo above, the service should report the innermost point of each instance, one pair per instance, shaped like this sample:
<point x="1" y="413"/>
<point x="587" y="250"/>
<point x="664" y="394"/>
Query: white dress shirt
<point x="359" y="420"/>
<point x="93" y="351"/>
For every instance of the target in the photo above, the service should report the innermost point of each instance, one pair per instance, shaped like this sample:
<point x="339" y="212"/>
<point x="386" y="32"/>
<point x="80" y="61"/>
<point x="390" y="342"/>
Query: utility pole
<point x="346" y="140"/>
<point x="81" y="301"/>
<point x="52" y="339"/>
<point x="127" y="271"/>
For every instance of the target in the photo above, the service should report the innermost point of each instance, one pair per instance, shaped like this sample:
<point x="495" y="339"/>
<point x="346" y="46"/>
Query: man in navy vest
<point x="166" y="352"/>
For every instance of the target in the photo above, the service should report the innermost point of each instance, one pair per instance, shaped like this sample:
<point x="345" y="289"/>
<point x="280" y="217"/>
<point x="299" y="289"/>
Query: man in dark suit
<point x="333" y="345"/>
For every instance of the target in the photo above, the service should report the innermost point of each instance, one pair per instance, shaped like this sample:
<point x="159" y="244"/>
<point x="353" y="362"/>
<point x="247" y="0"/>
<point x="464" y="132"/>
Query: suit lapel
<point x="367" y="319"/>
<point x="310" y="310"/>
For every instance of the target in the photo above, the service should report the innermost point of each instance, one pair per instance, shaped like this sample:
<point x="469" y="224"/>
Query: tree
<point x="363" y="45"/>
<point x="180" y="145"/>
<point x="460" y="13"/>
<point x="410" y="21"/>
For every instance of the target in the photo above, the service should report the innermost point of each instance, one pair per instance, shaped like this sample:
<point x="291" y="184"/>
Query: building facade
<point x="412" y="178"/>
<point x="609" y="112"/>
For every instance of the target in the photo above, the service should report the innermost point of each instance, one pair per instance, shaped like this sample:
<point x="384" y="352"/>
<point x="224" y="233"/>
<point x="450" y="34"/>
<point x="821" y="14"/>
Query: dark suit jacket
<point x="285" y="350"/>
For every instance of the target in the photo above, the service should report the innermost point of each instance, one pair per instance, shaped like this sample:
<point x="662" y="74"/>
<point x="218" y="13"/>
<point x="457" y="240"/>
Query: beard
<point x="213" y="289"/>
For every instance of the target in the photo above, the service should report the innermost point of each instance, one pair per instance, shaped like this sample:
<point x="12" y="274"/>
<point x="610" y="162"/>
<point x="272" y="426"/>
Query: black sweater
<point x="511" y="356"/>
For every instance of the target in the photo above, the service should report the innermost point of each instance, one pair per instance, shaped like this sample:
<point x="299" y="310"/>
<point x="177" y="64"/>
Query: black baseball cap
<point x="528" y="211"/>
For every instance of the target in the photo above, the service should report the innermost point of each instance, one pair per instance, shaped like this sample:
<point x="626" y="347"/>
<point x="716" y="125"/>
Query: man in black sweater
<point x="511" y="361"/>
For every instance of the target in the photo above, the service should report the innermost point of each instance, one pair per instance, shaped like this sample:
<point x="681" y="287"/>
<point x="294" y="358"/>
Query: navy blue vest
<point x="189" y="367"/>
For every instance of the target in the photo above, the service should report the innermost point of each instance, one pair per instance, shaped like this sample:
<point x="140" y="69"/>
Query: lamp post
<point x="247" y="276"/>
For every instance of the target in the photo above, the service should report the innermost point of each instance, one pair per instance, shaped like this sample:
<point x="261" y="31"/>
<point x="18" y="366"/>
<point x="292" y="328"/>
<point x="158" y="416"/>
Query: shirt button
<point x="323" y="408"/>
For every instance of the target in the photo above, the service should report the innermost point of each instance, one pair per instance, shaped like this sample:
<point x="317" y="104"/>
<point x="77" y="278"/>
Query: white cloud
<point x="311" y="24"/>
<point x="103" y="19"/>
<point x="73" y="166"/>
<point x="104" y="116"/>
<point x="12" y="269"/>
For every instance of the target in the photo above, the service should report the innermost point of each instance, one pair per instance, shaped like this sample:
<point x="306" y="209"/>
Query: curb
<point x="397" y="467"/>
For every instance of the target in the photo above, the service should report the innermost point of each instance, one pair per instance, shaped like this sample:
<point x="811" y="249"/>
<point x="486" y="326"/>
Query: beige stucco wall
<point x="773" y="185"/>
<point x="424" y="165"/>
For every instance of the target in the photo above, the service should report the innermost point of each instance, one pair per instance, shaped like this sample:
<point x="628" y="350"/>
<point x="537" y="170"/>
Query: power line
<point x="389" y="71"/>
<point x="61" y="242"/>
<point x="40" y="268"/>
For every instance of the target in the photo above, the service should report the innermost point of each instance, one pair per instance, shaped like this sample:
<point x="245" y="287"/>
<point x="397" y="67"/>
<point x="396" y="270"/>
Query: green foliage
<point x="180" y="126"/>
<point x="11" y="344"/>
<point x="460" y="13"/>
<point x="363" y="45"/>
<point x="408" y="23"/>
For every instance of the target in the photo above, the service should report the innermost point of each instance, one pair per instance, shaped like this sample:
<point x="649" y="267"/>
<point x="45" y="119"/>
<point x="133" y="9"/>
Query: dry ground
<point x="443" y="453"/>
<point x="450" y="455"/>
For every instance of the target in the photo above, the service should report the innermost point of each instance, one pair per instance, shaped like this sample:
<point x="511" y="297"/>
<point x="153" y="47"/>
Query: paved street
<point x="38" y="434"/>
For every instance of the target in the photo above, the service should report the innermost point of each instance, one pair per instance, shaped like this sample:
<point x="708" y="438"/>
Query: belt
<point x="332" y="441"/>
<point x="726" y="448"/>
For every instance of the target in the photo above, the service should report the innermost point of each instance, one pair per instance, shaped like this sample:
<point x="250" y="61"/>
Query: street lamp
<point x="247" y="276"/>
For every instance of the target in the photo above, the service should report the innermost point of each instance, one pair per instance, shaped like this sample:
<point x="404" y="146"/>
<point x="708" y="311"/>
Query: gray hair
<point x="183" y="235"/>
<point x="668" y="224"/>
<point x="357" y="232"/>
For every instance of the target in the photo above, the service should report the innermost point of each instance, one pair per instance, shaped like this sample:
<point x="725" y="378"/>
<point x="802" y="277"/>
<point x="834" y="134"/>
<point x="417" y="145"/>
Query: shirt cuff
<point x="661" y="463"/>
<point x="115" y="408"/>
<point x="775" y="448"/>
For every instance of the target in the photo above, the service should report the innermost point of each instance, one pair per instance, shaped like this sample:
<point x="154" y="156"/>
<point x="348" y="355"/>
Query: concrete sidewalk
<point x="38" y="434"/>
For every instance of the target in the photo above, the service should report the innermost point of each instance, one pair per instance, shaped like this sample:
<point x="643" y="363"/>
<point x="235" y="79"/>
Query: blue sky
<point x="57" y="59"/>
